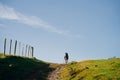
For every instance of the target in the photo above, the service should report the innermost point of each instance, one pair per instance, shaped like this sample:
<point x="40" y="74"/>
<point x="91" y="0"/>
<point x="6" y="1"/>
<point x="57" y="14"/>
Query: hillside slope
<point x="92" y="70"/>
<point x="22" y="68"/>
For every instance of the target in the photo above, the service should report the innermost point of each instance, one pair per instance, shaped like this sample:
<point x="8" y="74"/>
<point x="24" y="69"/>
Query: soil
<point x="54" y="75"/>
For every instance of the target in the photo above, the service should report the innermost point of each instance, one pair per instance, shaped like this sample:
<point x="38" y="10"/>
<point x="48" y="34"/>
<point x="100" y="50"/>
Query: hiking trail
<point x="54" y="75"/>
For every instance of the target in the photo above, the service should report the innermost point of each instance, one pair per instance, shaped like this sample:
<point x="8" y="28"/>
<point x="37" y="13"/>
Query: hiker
<point x="66" y="57"/>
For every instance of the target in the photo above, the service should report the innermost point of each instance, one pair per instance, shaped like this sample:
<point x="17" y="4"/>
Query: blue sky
<point x="86" y="29"/>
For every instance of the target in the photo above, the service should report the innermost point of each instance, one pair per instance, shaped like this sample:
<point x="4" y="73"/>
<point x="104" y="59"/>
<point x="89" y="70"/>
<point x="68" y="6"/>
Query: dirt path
<point x="55" y="74"/>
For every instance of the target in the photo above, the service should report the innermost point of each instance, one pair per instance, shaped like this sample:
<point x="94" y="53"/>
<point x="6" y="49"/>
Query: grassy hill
<point x="92" y="70"/>
<point x="22" y="68"/>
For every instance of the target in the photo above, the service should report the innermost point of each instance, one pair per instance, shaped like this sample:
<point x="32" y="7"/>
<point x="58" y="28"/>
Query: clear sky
<point x="86" y="29"/>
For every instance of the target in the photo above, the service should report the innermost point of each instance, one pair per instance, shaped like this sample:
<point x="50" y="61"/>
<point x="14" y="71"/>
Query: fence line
<point x="19" y="48"/>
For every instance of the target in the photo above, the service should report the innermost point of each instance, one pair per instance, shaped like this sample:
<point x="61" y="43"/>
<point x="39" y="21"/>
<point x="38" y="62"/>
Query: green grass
<point x="92" y="70"/>
<point x="22" y="68"/>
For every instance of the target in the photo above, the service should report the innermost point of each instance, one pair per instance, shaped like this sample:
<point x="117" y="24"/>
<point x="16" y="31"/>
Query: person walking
<point x="66" y="57"/>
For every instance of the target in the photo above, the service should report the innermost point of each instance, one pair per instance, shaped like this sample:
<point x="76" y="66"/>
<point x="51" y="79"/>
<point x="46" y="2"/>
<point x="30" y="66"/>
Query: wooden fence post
<point x="26" y="50"/>
<point x="32" y="50"/>
<point x="5" y="46"/>
<point x="10" y="46"/>
<point x="19" y="48"/>
<point x="15" y="47"/>
<point x="22" y="49"/>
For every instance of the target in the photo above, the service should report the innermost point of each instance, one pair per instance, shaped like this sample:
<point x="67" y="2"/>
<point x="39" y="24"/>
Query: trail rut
<point x="54" y="75"/>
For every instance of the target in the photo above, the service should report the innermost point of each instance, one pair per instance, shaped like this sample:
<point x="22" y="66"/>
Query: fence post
<point x="10" y="46"/>
<point x="15" y="47"/>
<point x="32" y="49"/>
<point x="22" y="49"/>
<point x="5" y="46"/>
<point x="19" y="48"/>
<point x="26" y="50"/>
